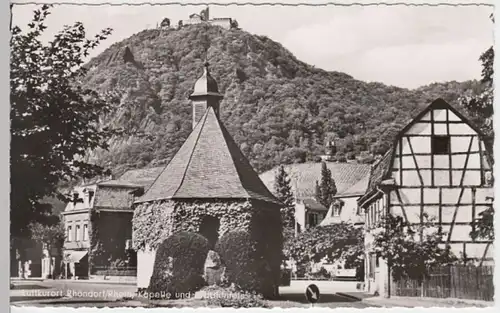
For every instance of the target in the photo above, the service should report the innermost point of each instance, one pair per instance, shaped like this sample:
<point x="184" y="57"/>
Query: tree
<point x="50" y="234"/>
<point x="326" y="189"/>
<point x="54" y="121"/>
<point x="165" y="23"/>
<point x="333" y="242"/>
<point x="409" y="256"/>
<point x="234" y="24"/>
<point x="479" y="103"/>
<point x="483" y="227"/>
<point x="283" y="191"/>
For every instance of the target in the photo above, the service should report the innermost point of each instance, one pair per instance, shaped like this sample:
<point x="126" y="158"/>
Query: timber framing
<point x="437" y="165"/>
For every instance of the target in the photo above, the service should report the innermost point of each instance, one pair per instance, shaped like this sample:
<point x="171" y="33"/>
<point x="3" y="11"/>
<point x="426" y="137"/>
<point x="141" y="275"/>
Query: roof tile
<point x="350" y="179"/>
<point x="208" y="165"/>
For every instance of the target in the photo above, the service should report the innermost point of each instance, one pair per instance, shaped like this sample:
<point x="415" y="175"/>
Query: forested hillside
<point x="278" y="109"/>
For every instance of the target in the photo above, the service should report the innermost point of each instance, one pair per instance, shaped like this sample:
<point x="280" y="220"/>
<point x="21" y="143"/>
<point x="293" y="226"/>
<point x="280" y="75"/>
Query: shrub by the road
<point x="178" y="266"/>
<point x="237" y="250"/>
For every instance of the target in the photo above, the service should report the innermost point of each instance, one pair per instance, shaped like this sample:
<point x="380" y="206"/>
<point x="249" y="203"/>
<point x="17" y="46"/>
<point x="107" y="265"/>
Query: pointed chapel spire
<point x="205" y="94"/>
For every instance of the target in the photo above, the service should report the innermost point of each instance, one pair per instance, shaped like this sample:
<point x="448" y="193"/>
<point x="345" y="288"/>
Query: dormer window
<point x="337" y="207"/>
<point x="440" y="145"/>
<point x="336" y="210"/>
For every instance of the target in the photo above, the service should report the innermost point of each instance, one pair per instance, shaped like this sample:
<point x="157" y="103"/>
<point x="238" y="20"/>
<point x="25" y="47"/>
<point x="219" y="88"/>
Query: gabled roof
<point x="379" y="172"/>
<point x="136" y="178"/>
<point x="116" y="193"/>
<point x="382" y="169"/>
<point x="357" y="189"/>
<point x="314" y="205"/>
<point x="209" y="165"/>
<point x="351" y="179"/>
<point x="113" y="197"/>
<point x="438" y="104"/>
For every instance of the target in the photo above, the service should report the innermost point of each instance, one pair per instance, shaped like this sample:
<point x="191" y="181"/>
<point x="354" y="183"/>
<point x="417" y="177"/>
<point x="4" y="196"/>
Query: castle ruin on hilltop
<point x="204" y="17"/>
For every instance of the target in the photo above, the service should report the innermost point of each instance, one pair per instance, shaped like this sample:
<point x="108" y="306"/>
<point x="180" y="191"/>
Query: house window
<point x="91" y="196"/>
<point x="336" y="210"/>
<point x="75" y="198"/>
<point x="77" y="233"/>
<point x="85" y="232"/>
<point x="372" y="265"/>
<point x="69" y="235"/>
<point x="440" y="144"/>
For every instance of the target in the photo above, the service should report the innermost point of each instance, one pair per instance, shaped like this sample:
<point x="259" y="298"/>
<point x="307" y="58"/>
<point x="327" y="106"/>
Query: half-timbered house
<point x="439" y="168"/>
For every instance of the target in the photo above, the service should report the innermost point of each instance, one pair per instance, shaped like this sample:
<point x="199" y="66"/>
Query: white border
<point x="5" y="140"/>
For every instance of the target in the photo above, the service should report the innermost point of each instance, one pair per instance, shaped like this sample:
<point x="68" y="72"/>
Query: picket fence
<point x="460" y="282"/>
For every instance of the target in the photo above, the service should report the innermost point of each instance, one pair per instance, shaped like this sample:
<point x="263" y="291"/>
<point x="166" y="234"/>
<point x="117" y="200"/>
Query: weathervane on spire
<point x="206" y="44"/>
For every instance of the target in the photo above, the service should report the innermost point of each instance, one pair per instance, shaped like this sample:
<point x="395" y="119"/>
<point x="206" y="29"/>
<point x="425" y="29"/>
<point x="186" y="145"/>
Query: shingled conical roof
<point x="209" y="165"/>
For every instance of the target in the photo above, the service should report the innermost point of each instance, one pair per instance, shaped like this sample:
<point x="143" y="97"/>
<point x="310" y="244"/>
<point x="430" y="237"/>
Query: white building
<point x="204" y="17"/>
<point x="439" y="165"/>
<point x="351" y="180"/>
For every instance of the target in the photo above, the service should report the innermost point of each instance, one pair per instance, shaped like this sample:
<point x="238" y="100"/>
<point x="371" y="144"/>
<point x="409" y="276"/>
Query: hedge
<point x="238" y="252"/>
<point x="178" y="266"/>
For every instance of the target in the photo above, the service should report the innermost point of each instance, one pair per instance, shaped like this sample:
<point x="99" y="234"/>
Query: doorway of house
<point x="209" y="228"/>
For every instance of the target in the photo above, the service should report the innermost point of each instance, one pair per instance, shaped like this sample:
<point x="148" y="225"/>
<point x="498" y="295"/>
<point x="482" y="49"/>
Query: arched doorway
<point x="209" y="228"/>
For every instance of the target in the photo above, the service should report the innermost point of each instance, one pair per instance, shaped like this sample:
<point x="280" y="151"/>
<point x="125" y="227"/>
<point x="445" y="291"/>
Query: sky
<point x="404" y="46"/>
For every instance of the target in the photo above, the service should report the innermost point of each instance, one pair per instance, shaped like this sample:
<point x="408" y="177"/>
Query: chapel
<point x="209" y="187"/>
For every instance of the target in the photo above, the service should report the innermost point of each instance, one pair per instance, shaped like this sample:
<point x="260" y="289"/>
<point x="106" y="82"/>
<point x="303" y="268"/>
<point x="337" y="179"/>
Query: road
<point x="294" y="296"/>
<point x="91" y="294"/>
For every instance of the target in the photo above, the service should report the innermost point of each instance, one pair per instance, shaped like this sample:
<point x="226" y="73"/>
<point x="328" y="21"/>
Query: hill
<point x="277" y="108"/>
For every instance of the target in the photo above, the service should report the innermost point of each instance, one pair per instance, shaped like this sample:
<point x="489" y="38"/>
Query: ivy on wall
<point x="108" y="233"/>
<point x="153" y="222"/>
<point x="95" y="249"/>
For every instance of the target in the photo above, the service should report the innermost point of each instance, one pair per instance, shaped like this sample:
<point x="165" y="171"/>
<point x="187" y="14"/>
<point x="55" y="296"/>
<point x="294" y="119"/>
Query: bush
<point x="317" y="159"/>
<point x="238" y="254"/>
<point x="341" y="158"/>
<point x="178" y="266"/>
<point x="301" y="271"/>
<point x="232" y="297"/>
<point x="321" y="274"/>
<point x="366" y="157"/>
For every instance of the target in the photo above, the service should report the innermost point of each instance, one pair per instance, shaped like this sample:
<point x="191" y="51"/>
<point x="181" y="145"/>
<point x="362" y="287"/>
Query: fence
<point x="114" y="271"/>
<point x="461" y="282"/>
